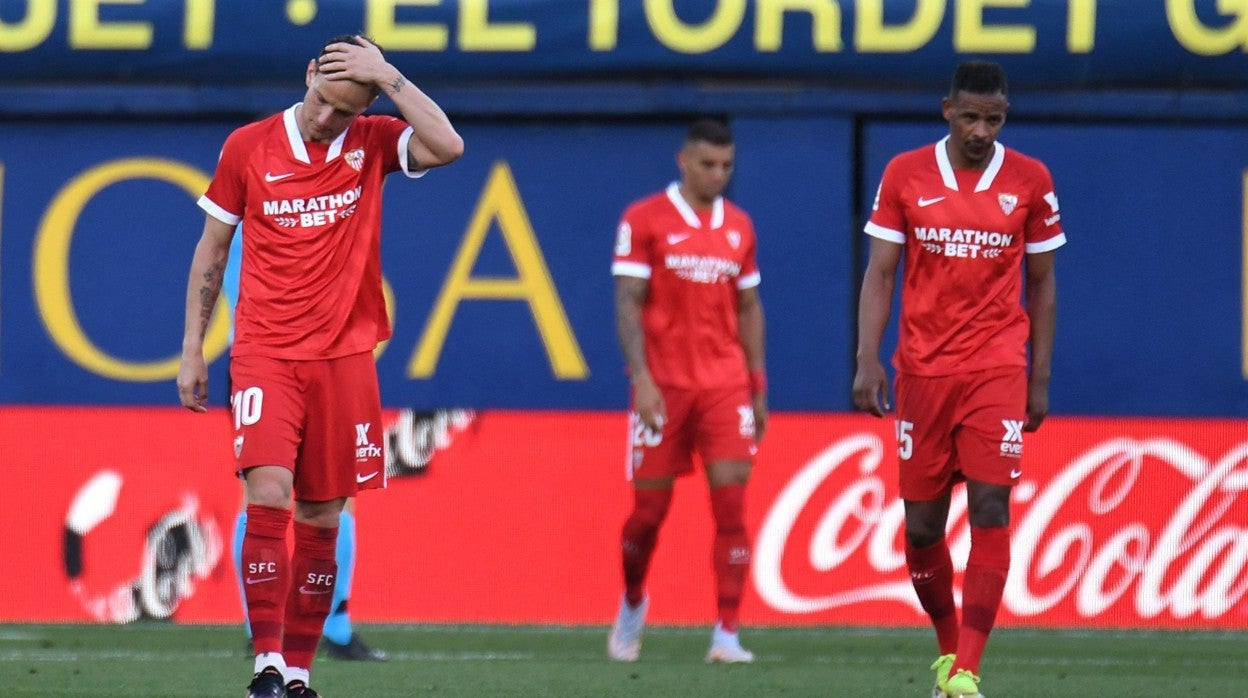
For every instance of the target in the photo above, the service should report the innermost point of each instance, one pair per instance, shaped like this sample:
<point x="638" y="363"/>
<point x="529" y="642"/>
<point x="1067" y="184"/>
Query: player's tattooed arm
<point x="208" y="294"/>
<point x="395" y="85"/>
<point x="630" y="294"/>
<point x="202" y="289"/>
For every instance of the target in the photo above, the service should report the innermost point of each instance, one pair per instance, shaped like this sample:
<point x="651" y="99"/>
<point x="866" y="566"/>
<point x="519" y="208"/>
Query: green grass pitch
<point x="156" y="659"/>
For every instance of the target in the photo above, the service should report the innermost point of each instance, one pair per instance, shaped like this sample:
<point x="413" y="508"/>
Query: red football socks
<point x="731" y="554"/>
<point x="313" y="571"/>
<point x="266" y="574"/>
<point x="641" y="532"/>
<point x="311" y="592"/>
<point x="986" y="570"/>
<point x="931" y="573"/>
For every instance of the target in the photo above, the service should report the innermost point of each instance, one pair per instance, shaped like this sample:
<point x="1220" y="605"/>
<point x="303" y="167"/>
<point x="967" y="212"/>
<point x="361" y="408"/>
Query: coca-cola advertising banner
<point x="514" y="517"/>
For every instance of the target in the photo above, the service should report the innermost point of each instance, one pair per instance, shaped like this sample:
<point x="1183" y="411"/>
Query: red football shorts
<point x="319" y="419"/>
<point x="967" y="426"/>
<point x="716" y="424"/>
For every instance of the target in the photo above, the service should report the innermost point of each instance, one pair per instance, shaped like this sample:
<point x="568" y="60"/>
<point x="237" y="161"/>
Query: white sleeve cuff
<point x="212" y="209"/>
<point x="633" y="269"/>
<point x="879" y="231"/>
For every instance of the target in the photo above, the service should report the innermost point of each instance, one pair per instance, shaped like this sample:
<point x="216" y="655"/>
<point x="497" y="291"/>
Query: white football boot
<point x="726" y="648"/>
<point x="624" y="642"/>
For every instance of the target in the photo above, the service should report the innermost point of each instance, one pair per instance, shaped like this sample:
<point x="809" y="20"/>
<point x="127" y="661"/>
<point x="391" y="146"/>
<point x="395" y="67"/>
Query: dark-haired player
<point x="690" y="325"/>
<point x="977" y="224"/>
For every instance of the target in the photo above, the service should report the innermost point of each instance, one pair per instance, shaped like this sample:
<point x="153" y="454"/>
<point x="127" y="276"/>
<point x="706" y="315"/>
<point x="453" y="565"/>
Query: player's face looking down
<point x="330" y="106"/>
<point x="975" y="120"/>
<point x="704" y="171"/>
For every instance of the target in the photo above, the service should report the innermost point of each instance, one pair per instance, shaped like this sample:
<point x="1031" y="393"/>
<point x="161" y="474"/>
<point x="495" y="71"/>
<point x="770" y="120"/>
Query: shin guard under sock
<point x="731" y="553"/>
<point x="931" y="573"/>
<point x="986" y="570"/>
<point x="313" y="571"/>
<point x="266" y="574"/>
<point x="641" y="532"/>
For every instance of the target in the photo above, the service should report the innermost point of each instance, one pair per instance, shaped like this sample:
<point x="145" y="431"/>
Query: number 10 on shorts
<point x="246" y="405"/>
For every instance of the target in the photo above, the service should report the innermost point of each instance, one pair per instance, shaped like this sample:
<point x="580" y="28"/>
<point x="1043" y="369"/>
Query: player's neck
<point x="303" y="133"/>
<point x="696" y="202"/>
<point x="960" y="162"/>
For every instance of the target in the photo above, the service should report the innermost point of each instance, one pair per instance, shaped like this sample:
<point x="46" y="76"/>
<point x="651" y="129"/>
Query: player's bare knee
<point x="988" y="506"/>
<point x="269" y="486"/>
<point x="320" y="514"/>
<point x="922" y="536"/>
<point x="726" y="473"/>
<point x="990" y="515"/>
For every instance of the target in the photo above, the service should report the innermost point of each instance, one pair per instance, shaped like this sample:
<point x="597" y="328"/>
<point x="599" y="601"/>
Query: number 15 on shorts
<point x="905" y="441"/>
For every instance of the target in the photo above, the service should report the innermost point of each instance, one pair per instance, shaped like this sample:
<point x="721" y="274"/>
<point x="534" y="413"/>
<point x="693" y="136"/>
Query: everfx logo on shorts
<point x="364" y="446"/>
<point x="1012" y="442"/>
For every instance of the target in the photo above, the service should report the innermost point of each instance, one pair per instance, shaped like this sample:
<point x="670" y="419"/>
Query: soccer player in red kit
<point x="978" y="225"/>
<point x="691" y="329"/>
<point x="307" y="182"/>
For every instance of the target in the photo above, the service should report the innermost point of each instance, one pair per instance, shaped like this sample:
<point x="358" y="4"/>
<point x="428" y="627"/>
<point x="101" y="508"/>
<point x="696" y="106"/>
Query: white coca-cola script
<point x="1127" y="530"/>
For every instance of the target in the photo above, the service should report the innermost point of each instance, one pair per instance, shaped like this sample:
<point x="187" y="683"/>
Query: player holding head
<point x="307" y="182"/>
<point x="339" y="639"/>
<point x="691" y="329"/>
<point x="978" y="225"/>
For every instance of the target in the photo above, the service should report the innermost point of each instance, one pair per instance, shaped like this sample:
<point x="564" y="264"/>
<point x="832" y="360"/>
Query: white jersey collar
<point x="687" y="212"/>
<point x="297" y="147"/>
<point x="985" y="180"/>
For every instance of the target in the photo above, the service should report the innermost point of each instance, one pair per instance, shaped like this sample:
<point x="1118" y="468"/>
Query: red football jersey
<point x="310" y="283"/>
<point x="696" y="264"/>
<point x="965" y="233"/>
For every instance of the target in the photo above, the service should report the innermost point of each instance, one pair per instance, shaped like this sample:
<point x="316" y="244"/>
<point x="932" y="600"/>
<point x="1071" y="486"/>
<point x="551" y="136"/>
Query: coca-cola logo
<point x="1131" y="528"/>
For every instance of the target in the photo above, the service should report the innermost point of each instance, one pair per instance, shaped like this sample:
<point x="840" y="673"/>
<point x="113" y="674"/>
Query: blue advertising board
<point x="498" y="266"/>
<point x="1152" y="294"/>
<point x="866" y="43"/>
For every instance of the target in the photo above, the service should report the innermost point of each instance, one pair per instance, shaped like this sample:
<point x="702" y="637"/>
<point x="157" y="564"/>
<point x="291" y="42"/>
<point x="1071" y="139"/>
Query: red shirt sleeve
<point x="888" y="217"/>
<point x="387" y="131"/>
<point x="749" y="276"/>
<point x="228" y="189"/>
<point x="1044" y="220"/>
<point x="632" y="245"/>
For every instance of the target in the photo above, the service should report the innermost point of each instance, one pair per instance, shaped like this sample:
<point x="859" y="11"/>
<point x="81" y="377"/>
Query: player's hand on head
<point x="361" y="63"/>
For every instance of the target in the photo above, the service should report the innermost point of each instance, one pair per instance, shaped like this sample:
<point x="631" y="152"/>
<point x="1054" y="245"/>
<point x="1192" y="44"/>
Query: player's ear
<point x="311" y="73"/>
<point x="946" y="109"/>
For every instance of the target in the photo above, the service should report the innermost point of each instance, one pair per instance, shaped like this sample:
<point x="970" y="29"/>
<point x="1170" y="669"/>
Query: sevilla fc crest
<point x="355" y="159"/>
<point x="734" y="239"/>
<point x="1008" y="202"/>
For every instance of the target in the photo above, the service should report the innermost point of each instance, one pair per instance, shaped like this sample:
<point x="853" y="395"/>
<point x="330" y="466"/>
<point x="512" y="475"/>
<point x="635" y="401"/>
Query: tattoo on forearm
<point x="208" y="296"/>
<point x="397" y="84"/>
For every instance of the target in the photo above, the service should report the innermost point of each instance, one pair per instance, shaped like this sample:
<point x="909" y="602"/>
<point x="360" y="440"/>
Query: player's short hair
<point x="711" y="131"/>
<point x="979" y="78"/>
<point x="349" y="39"/>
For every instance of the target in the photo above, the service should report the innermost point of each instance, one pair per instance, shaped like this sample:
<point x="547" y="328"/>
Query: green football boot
<point x="963" y="684"/>
<point x="941" y="666"/>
